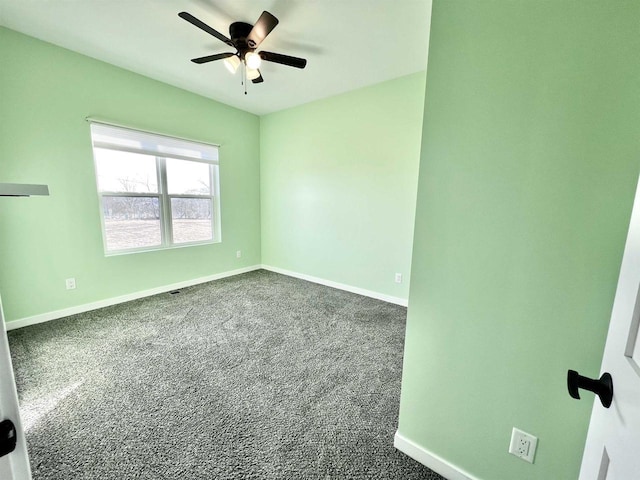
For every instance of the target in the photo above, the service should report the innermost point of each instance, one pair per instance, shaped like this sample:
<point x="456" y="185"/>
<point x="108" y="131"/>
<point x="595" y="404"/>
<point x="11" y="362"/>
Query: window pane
<point x="191" y="218"/>
<point x="125" y="172"/>
<point x="131" y="222"/>
<point x="184" y="177"/>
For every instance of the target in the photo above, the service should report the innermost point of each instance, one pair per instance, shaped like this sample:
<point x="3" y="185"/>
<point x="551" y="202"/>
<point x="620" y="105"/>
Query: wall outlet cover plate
<point x="523" y="445"/>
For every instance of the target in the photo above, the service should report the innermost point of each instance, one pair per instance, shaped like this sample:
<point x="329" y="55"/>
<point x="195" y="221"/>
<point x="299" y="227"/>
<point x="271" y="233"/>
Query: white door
<point x="612" y="451"/>
<point x="14" y="465"/>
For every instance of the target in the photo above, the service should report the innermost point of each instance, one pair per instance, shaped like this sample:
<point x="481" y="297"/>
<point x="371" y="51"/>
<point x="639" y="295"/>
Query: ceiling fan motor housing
<point x="239" y="31"/>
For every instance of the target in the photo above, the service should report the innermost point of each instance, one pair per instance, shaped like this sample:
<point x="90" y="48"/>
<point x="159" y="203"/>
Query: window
<point x="155" y="191"/>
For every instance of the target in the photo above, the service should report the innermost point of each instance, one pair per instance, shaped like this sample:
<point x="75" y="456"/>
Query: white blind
<point x="138" y="141"/>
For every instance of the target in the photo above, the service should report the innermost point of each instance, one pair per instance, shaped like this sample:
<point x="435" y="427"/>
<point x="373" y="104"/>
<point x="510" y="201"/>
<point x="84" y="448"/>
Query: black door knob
<point x="8" y="437"/>
<point x="603" y="387"/>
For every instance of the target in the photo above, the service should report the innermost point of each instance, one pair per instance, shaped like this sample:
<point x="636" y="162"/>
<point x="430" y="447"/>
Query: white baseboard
<point x="65" y="312"/>
<point x="340" y="286"/>
<point x="430" y="460"/>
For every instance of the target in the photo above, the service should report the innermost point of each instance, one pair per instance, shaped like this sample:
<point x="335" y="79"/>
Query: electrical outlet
<point x="71" y="283"/>
<point x="523" y="445"/>
<point x="238" y="254"/>
<point x="398" y="278"/>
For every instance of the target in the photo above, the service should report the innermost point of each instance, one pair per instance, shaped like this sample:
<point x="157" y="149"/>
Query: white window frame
<point x="163" y="196"/>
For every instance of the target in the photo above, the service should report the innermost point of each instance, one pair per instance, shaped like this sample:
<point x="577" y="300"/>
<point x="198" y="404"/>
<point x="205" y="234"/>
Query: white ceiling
<point x="348" y="43"/>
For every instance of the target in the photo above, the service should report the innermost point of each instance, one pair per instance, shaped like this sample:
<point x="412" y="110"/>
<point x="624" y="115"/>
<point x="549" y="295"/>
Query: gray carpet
<point x="258" y="376"/>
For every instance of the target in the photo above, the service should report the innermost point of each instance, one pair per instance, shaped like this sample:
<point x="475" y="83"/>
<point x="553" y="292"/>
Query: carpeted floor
<point x="258" y="376"/>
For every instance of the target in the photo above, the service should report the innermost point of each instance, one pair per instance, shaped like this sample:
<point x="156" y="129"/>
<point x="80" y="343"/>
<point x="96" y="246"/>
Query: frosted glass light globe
<point x="252" y="60"/>
<point x="232" y="63"/>
<point x="252" y="74"/>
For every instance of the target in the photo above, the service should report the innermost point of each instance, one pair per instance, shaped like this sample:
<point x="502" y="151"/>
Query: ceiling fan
<point x="245" y="38"/>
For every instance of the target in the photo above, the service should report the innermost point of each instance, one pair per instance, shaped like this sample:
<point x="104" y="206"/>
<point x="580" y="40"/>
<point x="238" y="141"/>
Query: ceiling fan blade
<point x="259" y="79"/>
<point x="283" y="59"/>
<point x="203" y="26"/>
<point x="211" y="58"/>
<point x="261" y="29"/>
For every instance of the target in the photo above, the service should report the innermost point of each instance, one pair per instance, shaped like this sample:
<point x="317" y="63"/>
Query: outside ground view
<point x="126" y="234"/>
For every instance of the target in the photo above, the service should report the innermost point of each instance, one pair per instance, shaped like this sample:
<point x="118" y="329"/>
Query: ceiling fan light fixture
<point x="232" y="63"/>
<point x="252" y="60"/>
<point x="246" y="39"/>
<point x="252" y="73"/>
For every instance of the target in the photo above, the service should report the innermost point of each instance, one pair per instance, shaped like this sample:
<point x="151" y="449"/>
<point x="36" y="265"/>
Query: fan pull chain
<point x="245" y="77"/>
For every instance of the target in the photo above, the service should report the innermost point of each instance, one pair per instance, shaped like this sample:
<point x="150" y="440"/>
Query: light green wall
<point x="529" y="163"/>
<point x="338" y="185"/>
<point x="46" y="92"/>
